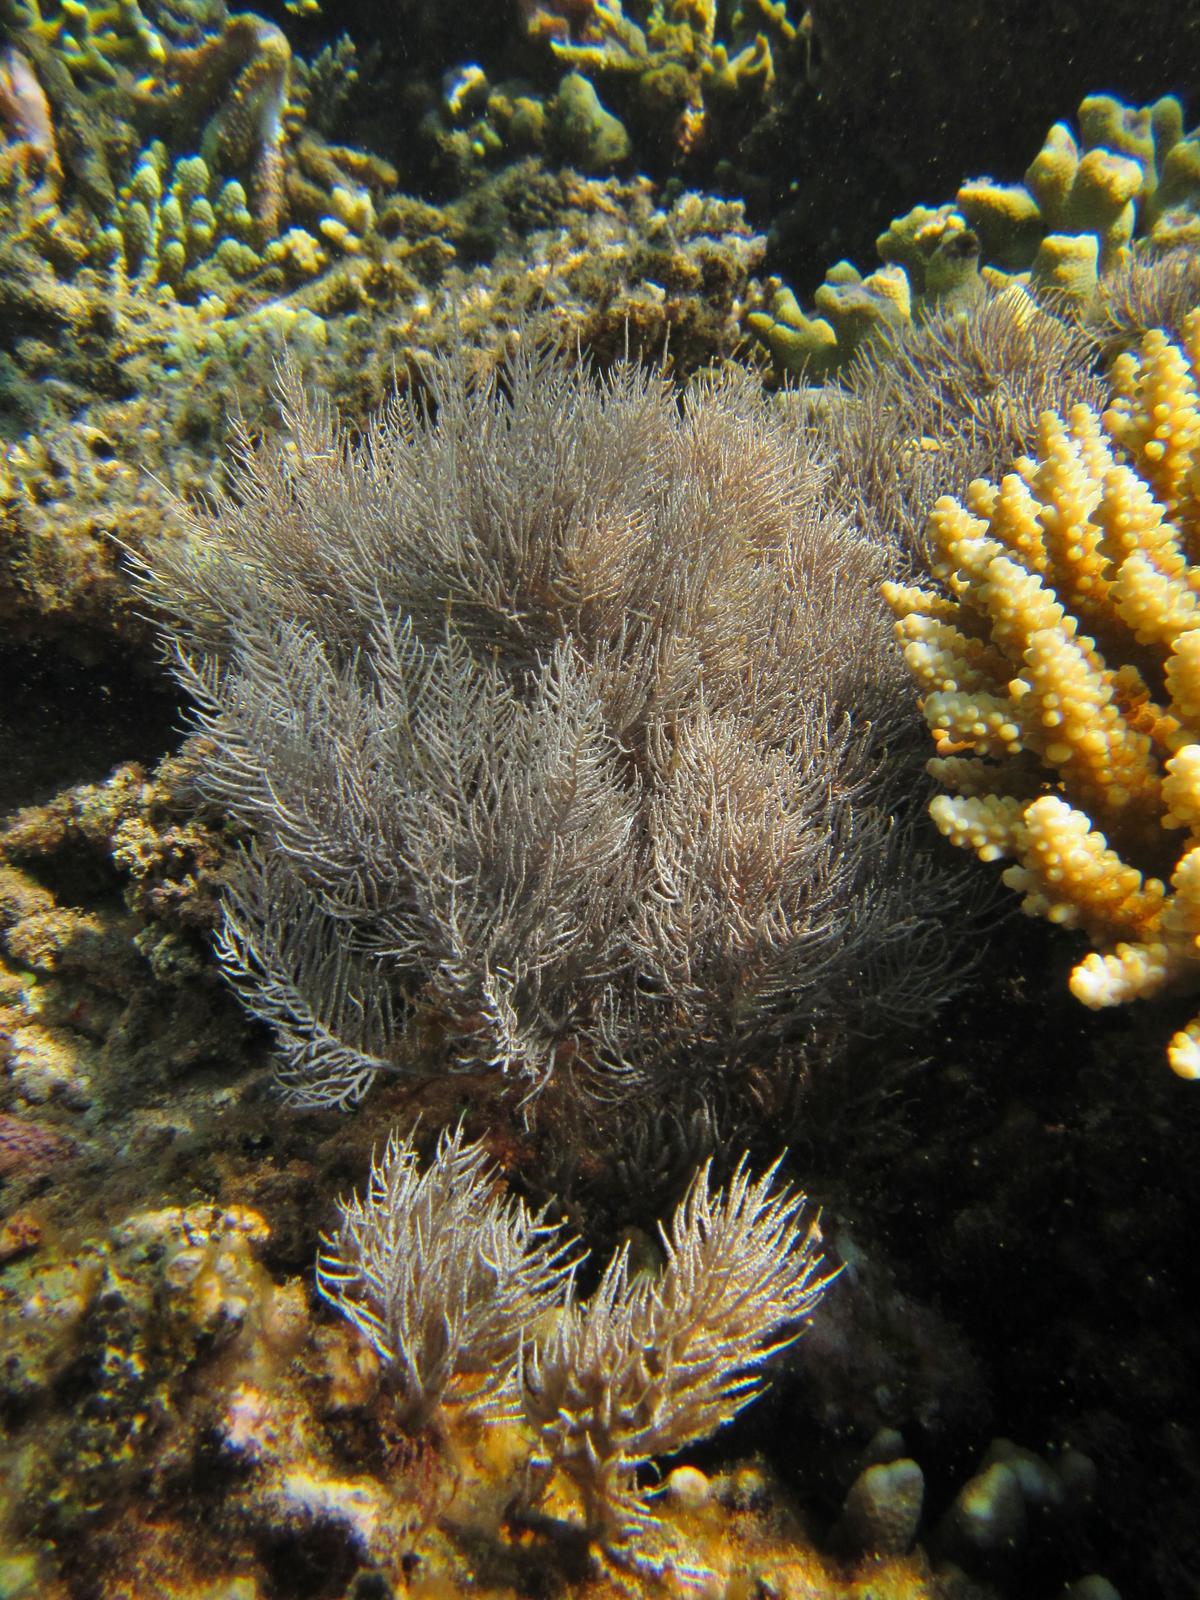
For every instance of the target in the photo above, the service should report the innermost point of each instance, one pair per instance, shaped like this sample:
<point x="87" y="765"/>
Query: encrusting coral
<point x="1061" y="677"/>
<point x="1133" y="172"/>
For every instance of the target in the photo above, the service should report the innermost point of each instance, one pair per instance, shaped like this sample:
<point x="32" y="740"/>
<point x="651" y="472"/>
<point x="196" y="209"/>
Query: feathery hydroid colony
<point x="567" y="722"/>
<point x="1061" y="677"/>
<point x="656" y="1361"/>
<point x="470" y="1302"/>
<point x="444" y="1273"/>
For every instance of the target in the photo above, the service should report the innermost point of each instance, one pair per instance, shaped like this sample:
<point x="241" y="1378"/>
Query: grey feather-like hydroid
<point x="566" y="718"/>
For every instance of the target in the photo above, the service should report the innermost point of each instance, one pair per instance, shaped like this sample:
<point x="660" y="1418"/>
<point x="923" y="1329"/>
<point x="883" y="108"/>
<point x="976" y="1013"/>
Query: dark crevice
<point x="64" y="723"/>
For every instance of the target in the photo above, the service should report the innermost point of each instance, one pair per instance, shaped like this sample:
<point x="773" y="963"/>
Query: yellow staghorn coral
<point x="93" y="38"/>
<point x="1061" y="678"/>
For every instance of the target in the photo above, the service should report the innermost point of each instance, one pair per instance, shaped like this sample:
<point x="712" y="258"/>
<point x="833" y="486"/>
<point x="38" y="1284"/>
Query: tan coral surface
<point x="1062" y="679"/>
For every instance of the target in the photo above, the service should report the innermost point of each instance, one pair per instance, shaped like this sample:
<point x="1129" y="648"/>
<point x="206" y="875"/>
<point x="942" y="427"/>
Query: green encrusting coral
<point x="1131" y="176"/>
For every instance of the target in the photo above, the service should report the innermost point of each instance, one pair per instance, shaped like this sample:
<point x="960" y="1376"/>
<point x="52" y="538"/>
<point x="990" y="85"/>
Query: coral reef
<point x="986" y="1524"/>
<point x="131" y="1314"/>
<point x="92" y="41"/>
<point x="1133" y="171"/>
<point x="882" y="1510"/>
<point x="150" y="225"/>
<point x="173" y="217"/>
<point x="198" y="196"/>
<point x="147" y="401"/>
<point x="670" y="68"/>
<point x="610" y="267"/>
<point x="1058" y="677"/>
<point x="226" y="210"/>
<point x="479" y="126"/>
<point x="181" y="1414"/>
<point x="902" y="103"/>
<point x="590" y="611"/>
<point x="582" y="130"/>
<point x="283" y="1450"/>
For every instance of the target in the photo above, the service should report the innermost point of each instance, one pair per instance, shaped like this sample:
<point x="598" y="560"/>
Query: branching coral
<point x="245" y="68"/>
<point x="560" y="712"/>
<point x="227" y="163"/>
<point x="93" y="38"/>
<point x="175" y="227"/>
<point x="1061" y="677"/>
<point x="673" y="56"/>
<point x="929" y="406"/>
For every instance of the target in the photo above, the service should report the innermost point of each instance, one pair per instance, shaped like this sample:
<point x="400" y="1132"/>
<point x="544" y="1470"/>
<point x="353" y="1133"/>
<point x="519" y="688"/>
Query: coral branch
<point x="1102" y="533"/>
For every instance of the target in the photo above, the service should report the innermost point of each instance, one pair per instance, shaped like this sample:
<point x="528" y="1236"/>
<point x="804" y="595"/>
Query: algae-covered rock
<point x="882" y="1510"/>
<point x="581" y="130"/>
